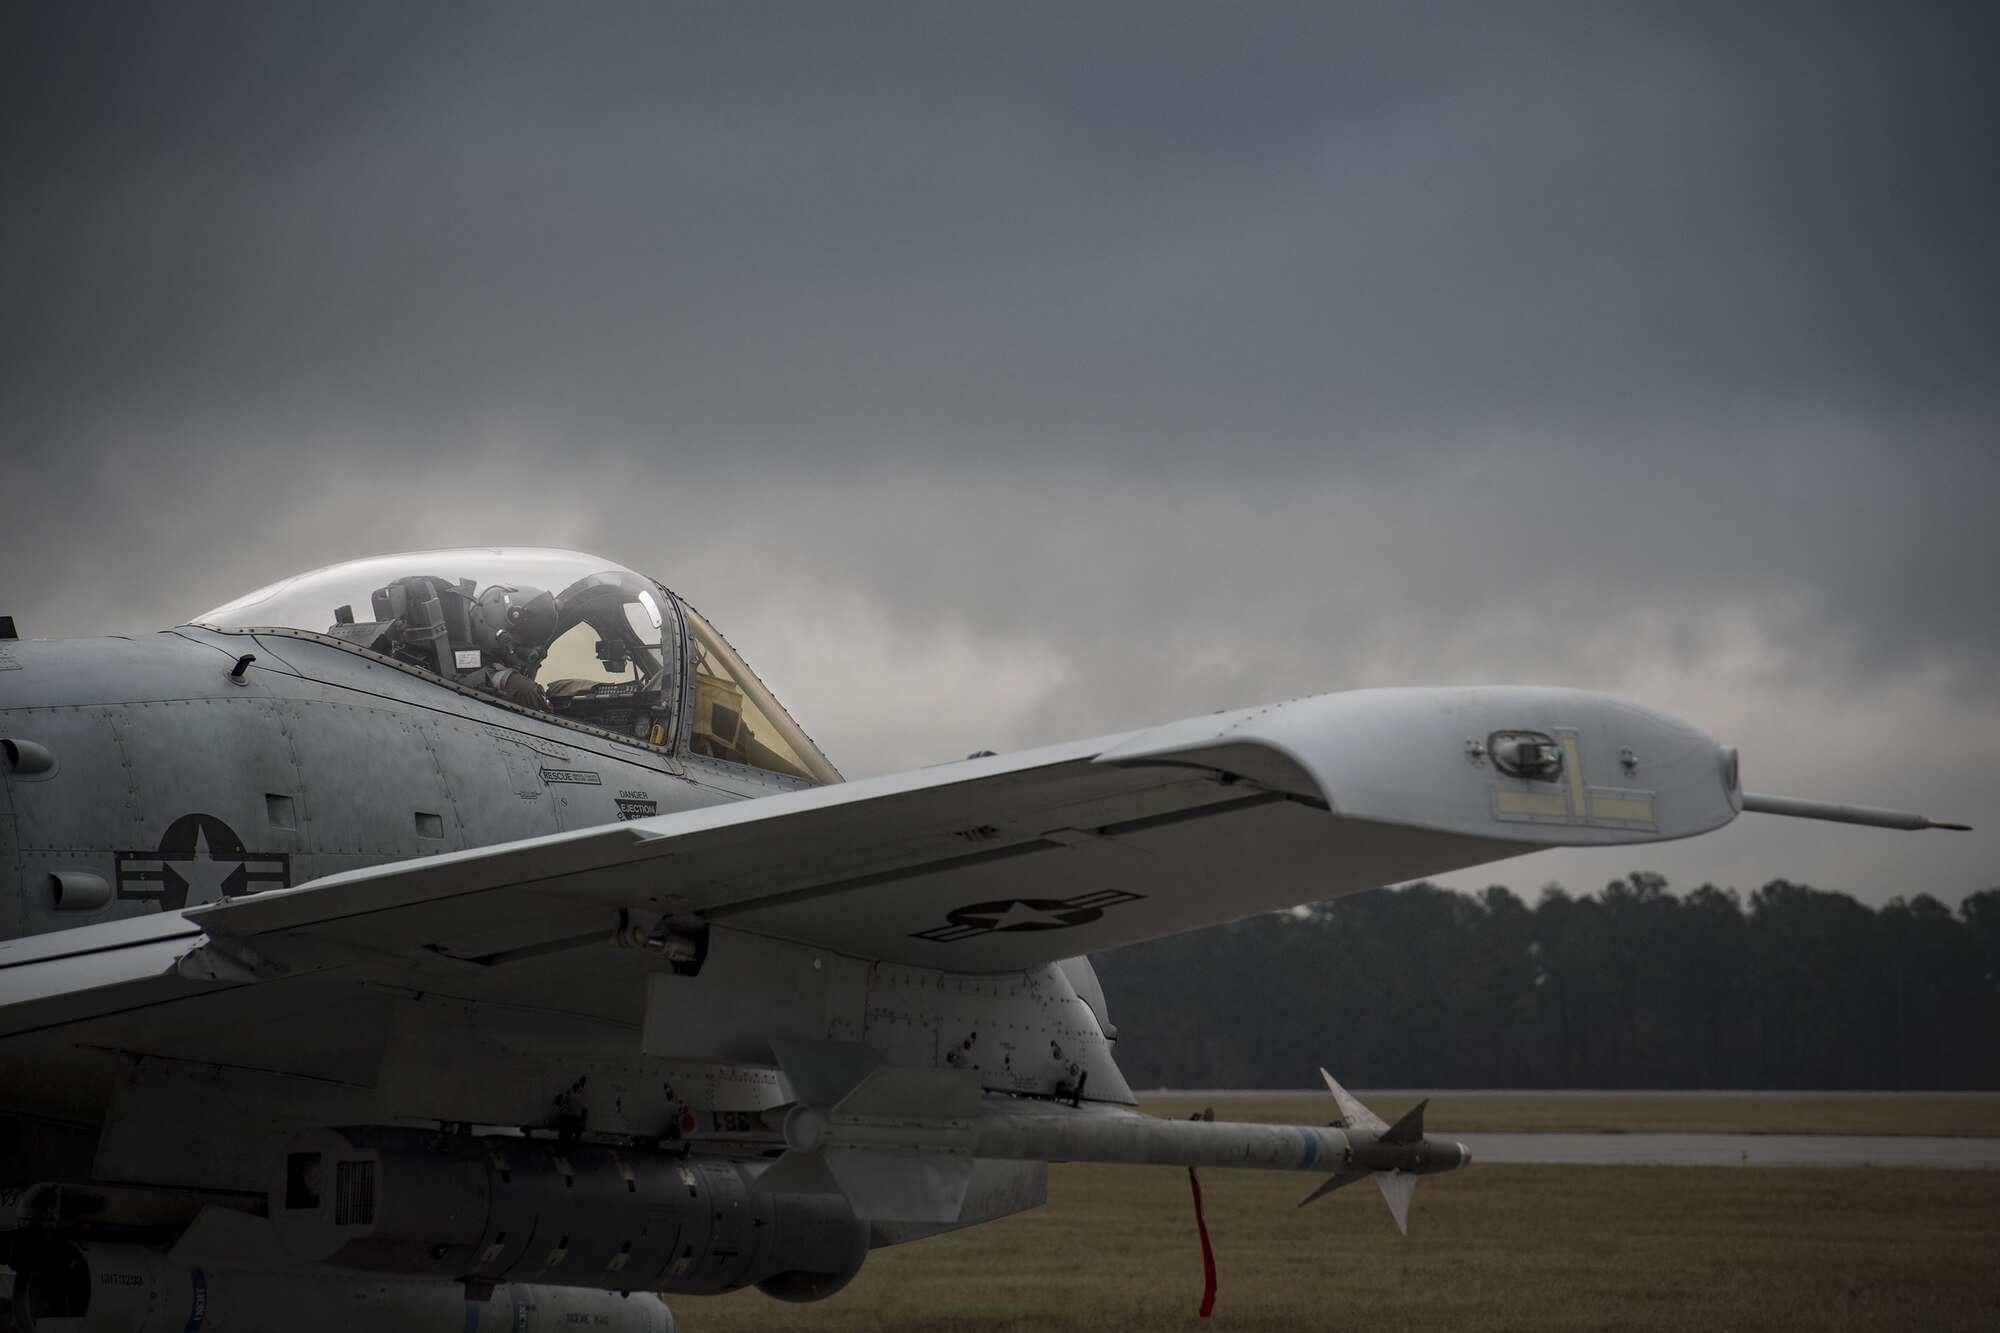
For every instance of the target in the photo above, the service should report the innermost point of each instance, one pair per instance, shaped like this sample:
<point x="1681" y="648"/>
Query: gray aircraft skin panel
<point x="297" y="869"/>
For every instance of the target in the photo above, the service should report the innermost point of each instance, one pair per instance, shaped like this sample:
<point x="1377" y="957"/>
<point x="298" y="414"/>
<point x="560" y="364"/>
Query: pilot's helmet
<point x="514" y="624"/>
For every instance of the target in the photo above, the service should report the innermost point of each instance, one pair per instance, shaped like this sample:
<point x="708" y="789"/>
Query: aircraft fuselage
<point x="176" y="780"/>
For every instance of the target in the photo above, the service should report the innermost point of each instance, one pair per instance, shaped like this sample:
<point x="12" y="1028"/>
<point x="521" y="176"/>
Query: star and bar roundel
<point x="1008" y="914"/>
<point x="199" y="859"/>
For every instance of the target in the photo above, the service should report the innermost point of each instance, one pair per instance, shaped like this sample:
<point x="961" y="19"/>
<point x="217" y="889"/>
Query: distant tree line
<point x="1633" y="987"/>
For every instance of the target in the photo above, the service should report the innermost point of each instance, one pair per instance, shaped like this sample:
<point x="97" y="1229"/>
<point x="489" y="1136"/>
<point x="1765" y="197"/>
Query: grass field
<point x="1958" y="1117"/>
<point x="1493" y="1247"/>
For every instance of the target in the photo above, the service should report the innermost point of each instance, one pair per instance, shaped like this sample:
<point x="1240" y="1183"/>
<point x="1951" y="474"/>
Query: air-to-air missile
<point x="899" y="1143"/>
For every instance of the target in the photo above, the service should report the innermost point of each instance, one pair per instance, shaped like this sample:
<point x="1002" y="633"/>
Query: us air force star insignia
<point x="200" y="859"/>
<point x="203" y="873"/>
<point x="963" y="923"/>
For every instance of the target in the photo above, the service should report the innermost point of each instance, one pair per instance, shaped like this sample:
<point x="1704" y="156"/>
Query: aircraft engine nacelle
<point x="88" y="1287"/>
<point x="498" y="1209"/>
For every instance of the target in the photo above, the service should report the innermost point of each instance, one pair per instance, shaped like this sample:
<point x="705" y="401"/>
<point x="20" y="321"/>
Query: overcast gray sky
<point x="999" y="374"/>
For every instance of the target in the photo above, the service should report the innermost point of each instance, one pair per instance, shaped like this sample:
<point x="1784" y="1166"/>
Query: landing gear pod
<point x="496" y="1209"/>
<point x="86" y="1287"/>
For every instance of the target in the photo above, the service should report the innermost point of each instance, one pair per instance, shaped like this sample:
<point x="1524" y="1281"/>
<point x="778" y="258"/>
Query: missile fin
<point x="797" y="1173"/>
<point x="1410" y="1128"/>
<point x="1332" y="1183"/>
<point x="890" y="1185"/>
<point x="823" y="1072"/>
<point x="1396" y="1191"/>
<point x="892" y="1092"/>
<point x="1352" y="1113"/>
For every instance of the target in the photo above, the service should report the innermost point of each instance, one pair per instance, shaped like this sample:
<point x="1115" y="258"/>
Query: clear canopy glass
<point x="559" y="632"/>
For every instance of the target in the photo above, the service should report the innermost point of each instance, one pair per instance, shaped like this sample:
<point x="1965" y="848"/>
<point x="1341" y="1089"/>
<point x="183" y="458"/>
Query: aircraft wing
<point x="988" y="865"/>
<point x="1001" y="863"/>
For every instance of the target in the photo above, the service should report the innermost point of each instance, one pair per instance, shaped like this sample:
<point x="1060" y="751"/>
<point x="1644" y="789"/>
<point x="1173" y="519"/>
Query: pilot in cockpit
<point x="511" y="627"/>
<point x="493" y="641"/>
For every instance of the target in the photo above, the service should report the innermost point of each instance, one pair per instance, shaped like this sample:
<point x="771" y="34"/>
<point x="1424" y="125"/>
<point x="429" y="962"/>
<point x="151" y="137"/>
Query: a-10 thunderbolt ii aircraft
<point x="468" y="940"/>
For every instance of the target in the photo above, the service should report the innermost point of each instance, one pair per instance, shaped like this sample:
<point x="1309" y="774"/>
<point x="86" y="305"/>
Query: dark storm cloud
<point x="1110" y="362"/>
<point x="1160" y="219"/>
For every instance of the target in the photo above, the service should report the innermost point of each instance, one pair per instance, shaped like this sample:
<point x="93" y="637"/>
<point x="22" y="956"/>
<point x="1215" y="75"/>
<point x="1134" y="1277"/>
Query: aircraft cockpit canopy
<point x="569" y="636"/>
